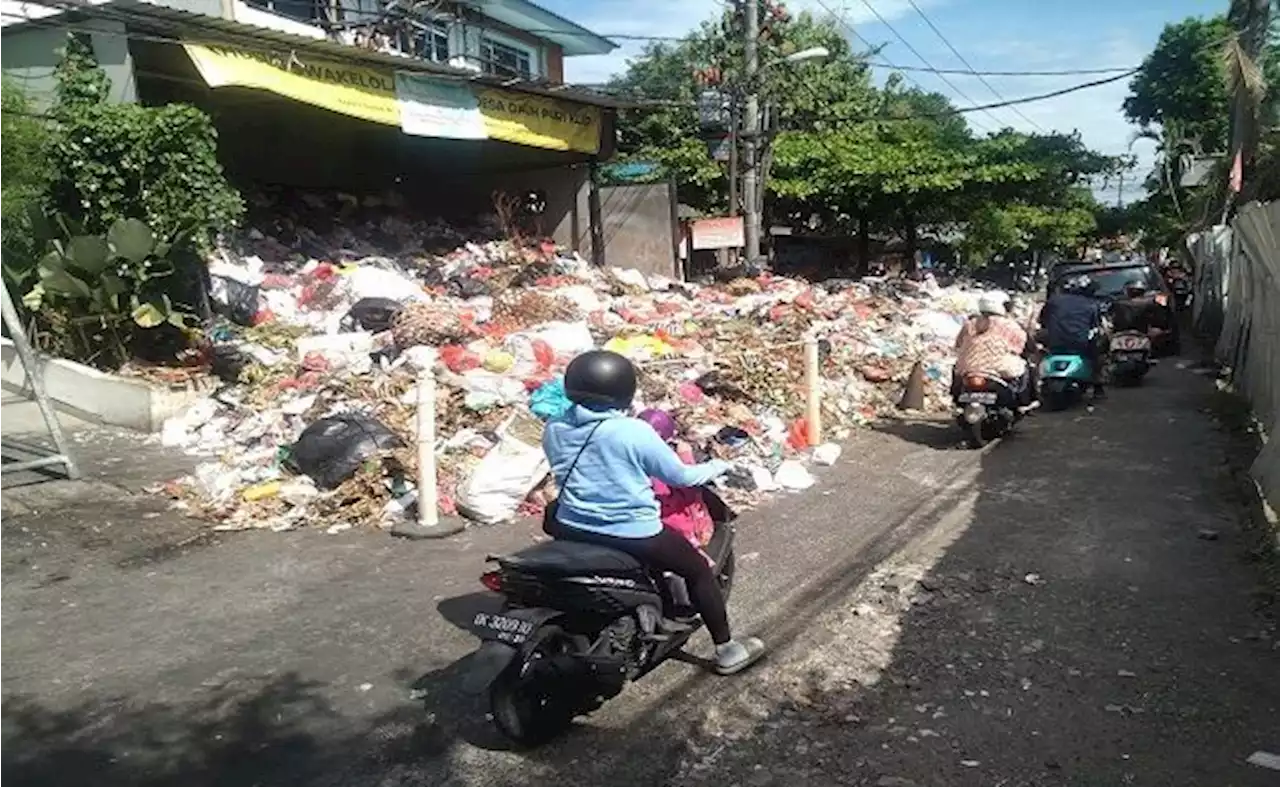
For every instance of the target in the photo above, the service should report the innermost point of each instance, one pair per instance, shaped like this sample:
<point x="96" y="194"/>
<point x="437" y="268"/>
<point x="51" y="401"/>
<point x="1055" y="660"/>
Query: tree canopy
<point x="845" y="155"/>
<point x="1182" y="99"/>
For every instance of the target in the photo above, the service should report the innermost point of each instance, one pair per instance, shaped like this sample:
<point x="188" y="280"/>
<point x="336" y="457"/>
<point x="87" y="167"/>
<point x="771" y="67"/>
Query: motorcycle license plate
<point x="977" y="397"/>
<point x="1123" y="357"/>
<point x="503" y="628"/>
<point x="1130" y="343"/>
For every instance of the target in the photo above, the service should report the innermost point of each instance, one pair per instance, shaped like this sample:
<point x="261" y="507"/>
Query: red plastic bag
<point x="543" y="354"/>
<point x="315" y="362"/>
<point x="459" y="359"/>
<point x="798" y="434"/>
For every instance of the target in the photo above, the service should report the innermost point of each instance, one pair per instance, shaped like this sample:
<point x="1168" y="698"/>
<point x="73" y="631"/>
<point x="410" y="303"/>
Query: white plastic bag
<point x="368" y="281"/>
<point x="501" y="482"/>
<point x="793" y="477"/>
<point x="567" y="339"/>
<point x="486" y="389"/>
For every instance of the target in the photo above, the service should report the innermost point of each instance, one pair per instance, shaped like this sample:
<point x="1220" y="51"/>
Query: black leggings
<point x="668" y="551"/>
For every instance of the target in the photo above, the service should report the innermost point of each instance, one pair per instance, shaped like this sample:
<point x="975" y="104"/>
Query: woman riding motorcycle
<point x="603" y="461"/>
<point x="994" y="343"/>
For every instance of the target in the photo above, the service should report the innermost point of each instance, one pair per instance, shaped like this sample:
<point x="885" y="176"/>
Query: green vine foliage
<point x="126" y="161"/>
<point x="26" y="174"/>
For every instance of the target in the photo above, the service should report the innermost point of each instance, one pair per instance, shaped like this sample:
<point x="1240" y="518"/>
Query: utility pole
<point x="750" y="130"/>
<point x="733" y="154"/>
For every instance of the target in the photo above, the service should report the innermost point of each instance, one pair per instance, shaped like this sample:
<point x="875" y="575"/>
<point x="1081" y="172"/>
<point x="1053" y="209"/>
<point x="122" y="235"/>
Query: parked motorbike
<point x="1063" y="379"/>
<point x="986" y="408"/>
<point x="1130" y="357"/>
<point x="579" y="622"/>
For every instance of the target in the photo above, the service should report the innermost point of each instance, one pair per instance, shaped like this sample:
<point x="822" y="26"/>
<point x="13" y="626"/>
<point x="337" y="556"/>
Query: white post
<point x="813" y="390"/>
<point x="428" y="510"/>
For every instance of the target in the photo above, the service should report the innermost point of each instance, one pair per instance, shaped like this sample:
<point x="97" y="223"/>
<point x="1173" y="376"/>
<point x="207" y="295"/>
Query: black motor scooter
<point x="579" y="622"/>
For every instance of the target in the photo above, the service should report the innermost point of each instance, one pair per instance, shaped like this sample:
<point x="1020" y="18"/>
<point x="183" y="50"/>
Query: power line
<point x="679" y="39"/>
<point x="1071" y="72"/>
<point x="969" y="65"/>
<point x="925" y="60"/>
<point x="872" y="47"/>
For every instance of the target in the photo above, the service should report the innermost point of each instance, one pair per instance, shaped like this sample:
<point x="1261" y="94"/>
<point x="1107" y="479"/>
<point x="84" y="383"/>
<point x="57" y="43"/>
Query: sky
<point x="992" y="35"/>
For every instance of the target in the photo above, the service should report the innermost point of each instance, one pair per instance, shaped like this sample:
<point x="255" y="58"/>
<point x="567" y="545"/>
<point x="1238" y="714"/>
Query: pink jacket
<point x="683" y="510"/>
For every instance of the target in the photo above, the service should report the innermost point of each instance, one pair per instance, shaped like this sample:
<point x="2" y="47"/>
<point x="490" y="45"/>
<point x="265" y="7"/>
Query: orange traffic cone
<point x="913" y="393"/>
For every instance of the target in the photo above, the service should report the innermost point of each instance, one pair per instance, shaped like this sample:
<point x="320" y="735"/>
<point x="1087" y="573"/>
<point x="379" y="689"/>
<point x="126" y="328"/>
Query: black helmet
<point x="600" y="377"/>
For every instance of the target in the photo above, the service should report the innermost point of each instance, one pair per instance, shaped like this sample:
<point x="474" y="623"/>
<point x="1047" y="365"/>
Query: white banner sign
<point x="433" y="109"/>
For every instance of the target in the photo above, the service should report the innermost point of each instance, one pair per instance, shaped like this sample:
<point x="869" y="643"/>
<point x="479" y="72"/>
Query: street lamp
<point x="812" y="53"/>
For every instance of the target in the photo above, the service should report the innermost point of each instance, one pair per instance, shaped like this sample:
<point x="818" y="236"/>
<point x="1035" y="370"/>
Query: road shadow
<point x="461" y="611"/>
<point x="1065" y="623"/>
<point x="939" y="434"/>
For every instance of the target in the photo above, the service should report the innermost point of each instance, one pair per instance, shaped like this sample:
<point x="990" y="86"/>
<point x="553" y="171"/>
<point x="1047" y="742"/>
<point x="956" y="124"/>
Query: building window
<point x="301" y="10"/>
<point x="506" y="60"/>
<point x="429" y="42"/>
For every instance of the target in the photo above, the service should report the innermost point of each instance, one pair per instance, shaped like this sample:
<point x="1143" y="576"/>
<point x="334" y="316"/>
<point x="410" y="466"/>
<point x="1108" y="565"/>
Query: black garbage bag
<point x="235" y="300"/>
<point x="372" y="314"/>
<point x="531" y="273"/>
<point x="714" y="384"/>
<point x="331" y="450"/>
<point x="432" y="277"/>
<point x="468" y="287"/>
<point x="228" y="362"/>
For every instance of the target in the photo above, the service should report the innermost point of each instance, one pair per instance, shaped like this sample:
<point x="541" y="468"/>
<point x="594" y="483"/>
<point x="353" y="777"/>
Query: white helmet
<point x="993" y="303"/>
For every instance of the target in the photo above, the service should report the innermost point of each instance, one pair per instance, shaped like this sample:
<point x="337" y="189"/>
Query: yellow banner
<point x="377" y="96"/>
<point x="539" y="122"/>
<point x="365" y="93"/>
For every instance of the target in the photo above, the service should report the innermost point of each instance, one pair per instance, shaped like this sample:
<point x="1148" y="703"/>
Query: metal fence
<point x="1237" y="299"/>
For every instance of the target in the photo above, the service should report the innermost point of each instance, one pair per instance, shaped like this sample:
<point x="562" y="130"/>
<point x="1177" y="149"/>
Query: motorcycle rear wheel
<point x="528" y="706"/>
<point x="1056" y="398"/>
<point x="976" y="434"/>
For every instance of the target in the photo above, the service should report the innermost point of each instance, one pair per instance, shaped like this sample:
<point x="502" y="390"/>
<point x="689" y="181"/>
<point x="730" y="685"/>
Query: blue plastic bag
<point x="550" y="400"/>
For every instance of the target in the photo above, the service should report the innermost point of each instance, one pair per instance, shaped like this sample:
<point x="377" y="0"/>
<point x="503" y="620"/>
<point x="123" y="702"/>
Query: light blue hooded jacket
<point x="610" y="492"/>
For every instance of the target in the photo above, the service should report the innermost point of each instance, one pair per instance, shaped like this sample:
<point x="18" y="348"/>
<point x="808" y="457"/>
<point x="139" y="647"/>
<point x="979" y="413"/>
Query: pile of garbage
<point x="327" y="332"/>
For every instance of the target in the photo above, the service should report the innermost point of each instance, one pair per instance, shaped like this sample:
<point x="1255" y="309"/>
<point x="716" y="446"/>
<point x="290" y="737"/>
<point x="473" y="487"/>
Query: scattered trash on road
<point x="1265" y="759"/>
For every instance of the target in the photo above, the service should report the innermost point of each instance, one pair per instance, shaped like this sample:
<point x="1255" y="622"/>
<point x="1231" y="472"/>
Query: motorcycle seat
<point x="571" y="557"/>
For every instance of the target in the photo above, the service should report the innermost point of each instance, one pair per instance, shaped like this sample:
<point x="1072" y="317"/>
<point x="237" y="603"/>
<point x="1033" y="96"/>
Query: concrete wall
<point x="30" y="54"/>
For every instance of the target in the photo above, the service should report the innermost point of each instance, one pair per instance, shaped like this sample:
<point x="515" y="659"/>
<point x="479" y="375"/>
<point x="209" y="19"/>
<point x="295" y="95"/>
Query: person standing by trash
<point x="603" y="460"/>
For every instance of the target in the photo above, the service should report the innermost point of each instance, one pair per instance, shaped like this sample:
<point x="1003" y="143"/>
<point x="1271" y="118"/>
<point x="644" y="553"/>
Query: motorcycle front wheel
<point x="530" y="701"/>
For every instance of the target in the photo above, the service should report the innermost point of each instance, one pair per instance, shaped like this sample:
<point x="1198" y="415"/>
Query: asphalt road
<point x="140" y="650"/>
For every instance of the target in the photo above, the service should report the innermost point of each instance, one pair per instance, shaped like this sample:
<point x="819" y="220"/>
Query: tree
<point x="667" y="130"/>
<point x="26" y="175"/>
<point x="843" y="156"/>
<point x="126" y="161"/>
<point x="1182" y="98"/>
<point x="1179" y="86"/>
